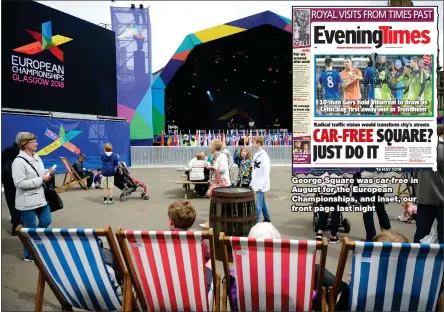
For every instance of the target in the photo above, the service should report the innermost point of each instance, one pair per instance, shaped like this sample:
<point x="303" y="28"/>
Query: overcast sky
<point x="171" y="21"/>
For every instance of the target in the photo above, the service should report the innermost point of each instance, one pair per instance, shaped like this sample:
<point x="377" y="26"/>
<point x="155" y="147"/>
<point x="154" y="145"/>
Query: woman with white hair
<point x="260" y="230"/>
<point x="264" y="230"/>
<point x="29" y="175"/>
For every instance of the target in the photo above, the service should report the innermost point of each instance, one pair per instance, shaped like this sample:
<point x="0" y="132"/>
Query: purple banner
<point x="361" y="15"/>
<point x="134" y="73"/>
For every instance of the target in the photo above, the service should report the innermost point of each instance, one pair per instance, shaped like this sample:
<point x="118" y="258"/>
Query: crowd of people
<point x="239" y="170"/>
<point x="389" y="84"/>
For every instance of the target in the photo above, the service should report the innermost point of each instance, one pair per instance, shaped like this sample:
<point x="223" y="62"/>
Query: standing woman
<point x="29" y="175"/>
<point x="218" y="164"/>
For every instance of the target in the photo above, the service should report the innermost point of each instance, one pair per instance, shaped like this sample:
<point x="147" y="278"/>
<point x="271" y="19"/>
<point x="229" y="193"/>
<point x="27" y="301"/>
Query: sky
<point x="171" y="21"/>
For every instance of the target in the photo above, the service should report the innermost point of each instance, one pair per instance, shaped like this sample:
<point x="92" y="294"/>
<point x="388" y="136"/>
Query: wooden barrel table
<point x="232" y="211"/>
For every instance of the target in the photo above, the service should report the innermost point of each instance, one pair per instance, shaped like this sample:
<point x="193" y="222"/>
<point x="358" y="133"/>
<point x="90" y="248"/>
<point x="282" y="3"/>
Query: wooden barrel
<point x="232" y="211"/>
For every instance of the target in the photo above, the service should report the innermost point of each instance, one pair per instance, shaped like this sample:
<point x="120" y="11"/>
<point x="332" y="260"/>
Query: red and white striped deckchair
<point x="274" y="274"/>
<point x="168" y="271"/>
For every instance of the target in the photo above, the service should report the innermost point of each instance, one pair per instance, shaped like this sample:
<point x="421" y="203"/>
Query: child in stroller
<point x="128" y="185"/>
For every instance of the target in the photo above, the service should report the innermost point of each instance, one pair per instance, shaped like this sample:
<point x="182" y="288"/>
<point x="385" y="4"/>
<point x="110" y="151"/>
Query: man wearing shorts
<point x="351" y="78"/>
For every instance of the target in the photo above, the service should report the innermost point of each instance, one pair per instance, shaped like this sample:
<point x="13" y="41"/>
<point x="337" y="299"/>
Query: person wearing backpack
<point x="109" y="167"/>
<point x="8" y="156"/>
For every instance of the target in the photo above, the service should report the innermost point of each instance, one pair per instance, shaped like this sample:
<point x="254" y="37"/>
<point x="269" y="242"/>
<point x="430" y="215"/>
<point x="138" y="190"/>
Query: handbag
<point x="54" y="201"/>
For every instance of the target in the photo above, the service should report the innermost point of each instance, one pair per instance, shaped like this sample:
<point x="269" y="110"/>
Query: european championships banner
<point x="68" y="138"/>
<point x="364" y="103"/>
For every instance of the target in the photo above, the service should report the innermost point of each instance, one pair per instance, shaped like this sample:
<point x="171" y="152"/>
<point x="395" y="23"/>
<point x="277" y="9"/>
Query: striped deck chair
<point x="168" y="270"/>
<point x="274" y="274"/>
<point x="391" y="276"/>
<point x="71" y="263"/>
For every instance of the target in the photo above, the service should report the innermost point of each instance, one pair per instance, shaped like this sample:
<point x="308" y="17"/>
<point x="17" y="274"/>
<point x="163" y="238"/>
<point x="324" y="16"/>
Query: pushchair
<point x="344" y="222"/>
<point x="128" y="185"/>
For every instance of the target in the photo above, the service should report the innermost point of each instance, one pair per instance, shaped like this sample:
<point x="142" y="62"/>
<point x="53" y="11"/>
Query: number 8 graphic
<point x="330" y="83"/>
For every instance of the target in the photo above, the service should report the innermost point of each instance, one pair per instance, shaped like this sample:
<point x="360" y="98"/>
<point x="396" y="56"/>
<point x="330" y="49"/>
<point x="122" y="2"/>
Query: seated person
<point x="260" y="230"/>
<point x="98" y="178"/>
<point x="181" y="217"/>
<point x="82" y="172"/>
<point x="344" y="293"/>
<point x="409" y="213"/>
<point x="199" y="173"/>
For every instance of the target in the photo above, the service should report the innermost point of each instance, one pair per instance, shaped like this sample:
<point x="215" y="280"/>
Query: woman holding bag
<point x="29" y="175"/>
<point x="219" y="171"/>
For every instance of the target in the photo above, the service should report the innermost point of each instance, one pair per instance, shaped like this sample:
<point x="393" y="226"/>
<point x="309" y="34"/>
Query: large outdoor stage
<point x="241" y="70"/>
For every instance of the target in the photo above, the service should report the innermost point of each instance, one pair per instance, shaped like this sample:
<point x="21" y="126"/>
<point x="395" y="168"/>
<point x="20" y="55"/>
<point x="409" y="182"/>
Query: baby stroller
<point x="128" y="185"/>
<point x="344" y="222"/>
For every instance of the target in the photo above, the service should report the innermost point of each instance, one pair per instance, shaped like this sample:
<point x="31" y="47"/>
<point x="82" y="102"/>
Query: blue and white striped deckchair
<point x="71" y="262"/>
<point x="392" y="276"/>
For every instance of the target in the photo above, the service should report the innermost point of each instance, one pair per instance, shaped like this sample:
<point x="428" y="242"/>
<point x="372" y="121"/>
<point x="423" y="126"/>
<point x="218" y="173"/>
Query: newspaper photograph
<point x="364" y="89"/>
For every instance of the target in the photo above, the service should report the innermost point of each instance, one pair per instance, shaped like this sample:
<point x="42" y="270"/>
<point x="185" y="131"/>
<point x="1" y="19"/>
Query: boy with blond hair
<point x="109" y="167"/>
<point x="260" y="179"/>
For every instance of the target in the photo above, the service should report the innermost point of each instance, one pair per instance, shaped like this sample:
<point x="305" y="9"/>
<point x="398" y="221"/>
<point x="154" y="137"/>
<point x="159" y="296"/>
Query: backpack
<point x="108" y="167"/>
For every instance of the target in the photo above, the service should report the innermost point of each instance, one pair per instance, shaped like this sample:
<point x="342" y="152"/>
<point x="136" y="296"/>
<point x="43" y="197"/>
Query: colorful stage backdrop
<point x="203" y="36"/>
<point x="69" y="137"/>
<point x="53" y="61"/>
<point x="132" y="29"/>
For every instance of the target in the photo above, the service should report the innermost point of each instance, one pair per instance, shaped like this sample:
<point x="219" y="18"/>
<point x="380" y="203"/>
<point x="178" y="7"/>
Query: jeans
<point x="424" y="220"/>
<point x="90" y="180"/>
<point x="261" y="206"/>
<point x="29" y="219"/>
<point x="10" y="201"/>
<point x="369" y="222"/>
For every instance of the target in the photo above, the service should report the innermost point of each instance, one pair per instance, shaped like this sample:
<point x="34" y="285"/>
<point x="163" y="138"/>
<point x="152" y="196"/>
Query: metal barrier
<point x="178" y="156"/>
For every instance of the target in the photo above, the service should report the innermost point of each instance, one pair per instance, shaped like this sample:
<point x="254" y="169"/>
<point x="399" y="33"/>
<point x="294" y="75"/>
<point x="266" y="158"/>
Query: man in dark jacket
<point x="83" y="173"/>
<point x="8" y="156"/>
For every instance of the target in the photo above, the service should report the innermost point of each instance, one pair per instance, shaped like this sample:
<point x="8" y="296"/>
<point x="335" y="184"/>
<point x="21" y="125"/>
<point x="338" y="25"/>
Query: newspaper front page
<point x="364" y="89"/>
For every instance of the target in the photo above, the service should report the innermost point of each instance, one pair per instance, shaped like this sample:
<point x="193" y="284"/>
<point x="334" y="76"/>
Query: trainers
<point x="28" y="259"/>
<point x="111" y="202"/>
<point x="105" y="202"/>
<point x="334" y="240"/>
<point x="318" y="237"/>
<point x="267" y="220"/>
